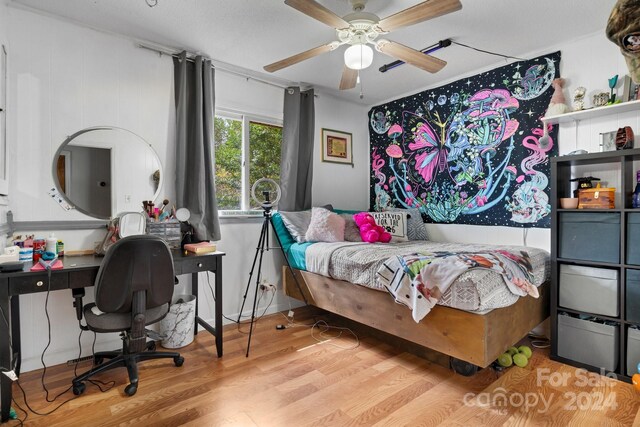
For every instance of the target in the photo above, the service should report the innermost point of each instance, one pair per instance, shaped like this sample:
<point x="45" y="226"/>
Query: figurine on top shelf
<point x="558" y="104"/>
<point x="578" y="98"/>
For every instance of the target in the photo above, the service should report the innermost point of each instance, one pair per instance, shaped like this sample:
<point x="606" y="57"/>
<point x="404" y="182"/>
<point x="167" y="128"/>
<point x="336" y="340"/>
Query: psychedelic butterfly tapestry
<point x="469" y="152"/>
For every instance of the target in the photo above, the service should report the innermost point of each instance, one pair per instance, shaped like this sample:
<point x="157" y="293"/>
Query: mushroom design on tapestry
<point x="394" y="150"/>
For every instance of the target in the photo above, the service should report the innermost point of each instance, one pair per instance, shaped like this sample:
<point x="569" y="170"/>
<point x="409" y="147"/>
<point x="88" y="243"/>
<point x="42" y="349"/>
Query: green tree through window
<point x="228" y="152"/>
<point x="263" y="149"/>
<point x="265" y="142"/>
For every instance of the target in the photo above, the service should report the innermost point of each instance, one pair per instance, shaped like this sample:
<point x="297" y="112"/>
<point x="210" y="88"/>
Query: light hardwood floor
<point x="291" y="379"/>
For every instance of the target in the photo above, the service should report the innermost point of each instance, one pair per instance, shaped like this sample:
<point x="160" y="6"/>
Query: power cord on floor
<point x="44" y="370"/>
<point x="539" y="341"/>
<point x="248" y="320"/>
<point x="97" y="383"/>
<point x="26" y="414"/>
<point x="324" y="337"/>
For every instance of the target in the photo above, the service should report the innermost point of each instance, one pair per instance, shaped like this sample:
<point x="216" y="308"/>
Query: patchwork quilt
<point x="419" y="280"/>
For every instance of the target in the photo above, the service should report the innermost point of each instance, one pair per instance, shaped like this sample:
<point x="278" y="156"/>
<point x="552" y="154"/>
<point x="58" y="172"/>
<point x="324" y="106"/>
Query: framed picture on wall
<point x="336" y="147"/>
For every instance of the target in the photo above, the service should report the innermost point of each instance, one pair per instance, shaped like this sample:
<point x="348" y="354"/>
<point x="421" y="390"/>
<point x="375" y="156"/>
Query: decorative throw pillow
<point x="415" y="225"/>
<point x="297" y="223"/>
<point x="325" y="226"/>
<point x="394" y="222"/>
<point x="351" y="230"/>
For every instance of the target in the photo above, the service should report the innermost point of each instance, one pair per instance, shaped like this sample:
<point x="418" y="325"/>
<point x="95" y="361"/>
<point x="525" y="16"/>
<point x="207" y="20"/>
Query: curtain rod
<point x="217" y="67"/>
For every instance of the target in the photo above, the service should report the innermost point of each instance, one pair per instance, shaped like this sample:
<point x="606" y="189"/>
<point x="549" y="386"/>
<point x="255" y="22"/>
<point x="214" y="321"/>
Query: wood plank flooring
<point x="292" y="379"/>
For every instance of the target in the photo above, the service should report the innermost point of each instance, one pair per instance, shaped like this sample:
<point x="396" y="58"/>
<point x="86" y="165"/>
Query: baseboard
<point x="63" y="355"/>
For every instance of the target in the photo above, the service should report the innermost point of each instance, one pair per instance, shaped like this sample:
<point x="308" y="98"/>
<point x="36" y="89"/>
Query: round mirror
<point x="102" y="171"/>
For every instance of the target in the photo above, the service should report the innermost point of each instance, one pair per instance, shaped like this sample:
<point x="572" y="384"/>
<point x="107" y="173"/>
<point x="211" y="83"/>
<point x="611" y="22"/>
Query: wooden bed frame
<point x="474" y="338"/>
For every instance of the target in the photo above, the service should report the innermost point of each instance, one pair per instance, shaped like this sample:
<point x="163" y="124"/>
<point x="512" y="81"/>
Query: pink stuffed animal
<point x="369" y="230"/>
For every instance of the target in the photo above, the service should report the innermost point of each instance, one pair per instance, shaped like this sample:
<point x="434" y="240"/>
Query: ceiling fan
<point x="361" y="29"/>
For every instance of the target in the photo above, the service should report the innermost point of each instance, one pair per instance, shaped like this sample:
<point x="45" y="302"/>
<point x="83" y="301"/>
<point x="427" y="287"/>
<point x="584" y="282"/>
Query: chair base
<point x="119" y="359"/>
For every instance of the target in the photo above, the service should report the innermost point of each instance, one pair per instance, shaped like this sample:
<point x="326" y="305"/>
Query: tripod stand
<point x="263" y="245"/>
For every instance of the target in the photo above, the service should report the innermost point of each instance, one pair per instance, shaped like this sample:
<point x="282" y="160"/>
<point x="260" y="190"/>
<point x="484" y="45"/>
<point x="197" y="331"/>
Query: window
<point x="247" y="149"/>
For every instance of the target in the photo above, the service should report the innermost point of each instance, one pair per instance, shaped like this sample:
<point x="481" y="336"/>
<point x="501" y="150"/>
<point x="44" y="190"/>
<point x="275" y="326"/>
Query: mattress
<point x="476" y="290"/>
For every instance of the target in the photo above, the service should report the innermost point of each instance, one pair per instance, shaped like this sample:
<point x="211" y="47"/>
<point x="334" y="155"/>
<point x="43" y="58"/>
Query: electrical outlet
<point x="290" y="314"/>
<point x="271" y="288"/>
<point x="12" y="375"/>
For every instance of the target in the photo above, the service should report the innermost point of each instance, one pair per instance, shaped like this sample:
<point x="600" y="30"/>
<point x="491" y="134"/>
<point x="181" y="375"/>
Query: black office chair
<point x="133" y="289"/>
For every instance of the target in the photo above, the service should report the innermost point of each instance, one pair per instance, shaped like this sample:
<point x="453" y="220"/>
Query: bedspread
<point x="475" y="290"/>
<point x="419" y="280"/>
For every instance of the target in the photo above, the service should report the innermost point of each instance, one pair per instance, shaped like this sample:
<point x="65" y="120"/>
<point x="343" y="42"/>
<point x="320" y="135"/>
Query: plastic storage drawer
<point x="633" y="351"/>
<point x="633" y="296"/>
<point x="588" y="289"/>
<point x="633" y="238"/>
<point x="588" y="342"/>
<point x="590" y="236"/>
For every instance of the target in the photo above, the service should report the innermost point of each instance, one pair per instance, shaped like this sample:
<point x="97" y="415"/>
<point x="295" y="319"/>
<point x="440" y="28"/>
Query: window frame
<point x="246" y="119"/>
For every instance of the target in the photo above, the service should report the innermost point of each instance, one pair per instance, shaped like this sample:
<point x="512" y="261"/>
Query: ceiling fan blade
<point x="349" y="78"/>
<point x="410" y="56"/>
<point x="301" y="57"/>
<point x="319" y="12"/>
<point x="421" y="12"/>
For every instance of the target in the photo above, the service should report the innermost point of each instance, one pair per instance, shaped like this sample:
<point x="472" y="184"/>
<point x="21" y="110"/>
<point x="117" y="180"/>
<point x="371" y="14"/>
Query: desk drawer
<point x="37" y="283"/>
<point x="196" y="264"/>
<point x="82" y="279"/>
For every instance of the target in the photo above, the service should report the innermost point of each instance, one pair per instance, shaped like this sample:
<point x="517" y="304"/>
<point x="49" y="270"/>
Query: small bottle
<point x="636" y="194"/>
<point x="60" y="248"/>
<point x="51" y="243"/>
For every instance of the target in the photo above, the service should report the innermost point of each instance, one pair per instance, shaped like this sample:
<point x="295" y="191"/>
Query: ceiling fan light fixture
<point x="358" y="56"/>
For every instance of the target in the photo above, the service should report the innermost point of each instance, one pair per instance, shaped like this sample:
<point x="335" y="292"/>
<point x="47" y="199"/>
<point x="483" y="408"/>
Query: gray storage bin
<point x="589" y="289"/>
<point x="633" y="351"/>
<point x="594" y="344"/>
<point x="633" y="238"/>
<point x="590" y="236"/>
<point x="632" y="296"/>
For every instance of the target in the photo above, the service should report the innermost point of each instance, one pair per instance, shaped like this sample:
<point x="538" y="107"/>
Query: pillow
<point x="351" y="230"/>
<point x="415" y="225"/>
<point x="394" y="222"/>
<point x="325" y="226"/>
<point x="297" y="222"/>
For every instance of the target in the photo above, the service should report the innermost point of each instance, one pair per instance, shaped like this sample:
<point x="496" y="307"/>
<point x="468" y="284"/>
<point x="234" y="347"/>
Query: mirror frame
<point x="62" y="147"/>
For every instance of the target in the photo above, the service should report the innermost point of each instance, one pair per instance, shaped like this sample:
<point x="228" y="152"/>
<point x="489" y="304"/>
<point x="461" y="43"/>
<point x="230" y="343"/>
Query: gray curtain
<point x="296" y="164"/>
<point x="195" y="161"/>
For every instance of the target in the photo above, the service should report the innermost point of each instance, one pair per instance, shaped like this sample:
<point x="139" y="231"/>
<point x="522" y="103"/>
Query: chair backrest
<point x="132" y="264"/>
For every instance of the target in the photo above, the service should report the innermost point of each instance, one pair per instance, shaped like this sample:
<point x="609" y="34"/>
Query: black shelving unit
<point x="561" y="172"/>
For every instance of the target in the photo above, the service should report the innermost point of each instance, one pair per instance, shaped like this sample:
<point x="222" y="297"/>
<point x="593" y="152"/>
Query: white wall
<point x="4" y="40"/>
<point x="343" y="186"/>
<point x="65" y="78"/>
<point x="589" y="62"/>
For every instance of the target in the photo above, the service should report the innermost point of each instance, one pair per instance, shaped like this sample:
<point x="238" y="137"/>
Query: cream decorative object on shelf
<point x="578" y="98"/>
<point x="600" y="99"/>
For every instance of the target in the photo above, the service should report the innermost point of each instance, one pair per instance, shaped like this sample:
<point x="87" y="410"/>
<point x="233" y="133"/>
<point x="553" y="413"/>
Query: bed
<point x="476" y="319"/>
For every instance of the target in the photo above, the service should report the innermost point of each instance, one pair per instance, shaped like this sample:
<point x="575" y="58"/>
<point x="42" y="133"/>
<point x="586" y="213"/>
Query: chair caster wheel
<point x="131" y="389"/>
<point x="79" y="388"/>
<point x="151" y="346"/>
<point x="178" y="361"/>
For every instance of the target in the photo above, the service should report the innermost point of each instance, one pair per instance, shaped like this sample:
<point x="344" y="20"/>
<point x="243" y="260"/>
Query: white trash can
<point x="177" y="326"/>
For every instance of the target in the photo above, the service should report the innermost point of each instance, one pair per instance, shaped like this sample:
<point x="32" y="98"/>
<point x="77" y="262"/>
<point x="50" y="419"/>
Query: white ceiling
<point x="253" y="33"/>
